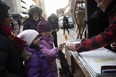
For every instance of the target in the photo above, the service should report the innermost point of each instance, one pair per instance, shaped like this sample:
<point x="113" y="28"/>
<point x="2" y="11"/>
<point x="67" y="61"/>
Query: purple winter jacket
<point x="37" y="66"/>
<point x="46" y="47"/>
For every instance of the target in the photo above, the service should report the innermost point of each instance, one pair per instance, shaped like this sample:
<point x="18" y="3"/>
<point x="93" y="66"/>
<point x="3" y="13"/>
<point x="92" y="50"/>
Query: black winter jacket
<point x="30" y="24"/>
<point x="11" y="64"/>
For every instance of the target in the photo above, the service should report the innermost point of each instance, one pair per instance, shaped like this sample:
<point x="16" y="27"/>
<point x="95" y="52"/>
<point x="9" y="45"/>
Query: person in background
<point x="36" y="66"/>
<point x="64" y="70"/>
<point x="65" y="24"/>
<point x="53" y="20"/>
<point x="16" y="22"/>
<point x="34" y="13"/>
<point x="106" y="37"/>
<point x="46" y="46"/>
<point x="11" y="63"/>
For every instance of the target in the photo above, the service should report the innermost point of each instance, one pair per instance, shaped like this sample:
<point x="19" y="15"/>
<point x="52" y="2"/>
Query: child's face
<point x="36" y="41"/>
<point x="46" y="33"/>
<point x="35" y="16"/>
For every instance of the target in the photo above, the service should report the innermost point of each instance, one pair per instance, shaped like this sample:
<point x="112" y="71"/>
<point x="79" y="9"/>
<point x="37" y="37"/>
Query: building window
<point x="23" y="1"/>
<point x="24" y="7"/>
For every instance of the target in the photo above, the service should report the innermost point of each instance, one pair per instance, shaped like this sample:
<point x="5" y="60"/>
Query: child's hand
<point x="61" y="46"/>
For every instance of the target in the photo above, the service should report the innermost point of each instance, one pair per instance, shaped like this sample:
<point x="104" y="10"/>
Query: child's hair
<point x="43" y="26"/>
<point x="28" y="36"/>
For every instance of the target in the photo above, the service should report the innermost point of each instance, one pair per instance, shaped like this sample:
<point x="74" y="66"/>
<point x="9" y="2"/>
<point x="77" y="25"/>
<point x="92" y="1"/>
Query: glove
<point x="71" y="46"/>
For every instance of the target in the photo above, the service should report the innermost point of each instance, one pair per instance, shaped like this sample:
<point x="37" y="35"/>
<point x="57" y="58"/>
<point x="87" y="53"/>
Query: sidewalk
<point x="71" y="36"/>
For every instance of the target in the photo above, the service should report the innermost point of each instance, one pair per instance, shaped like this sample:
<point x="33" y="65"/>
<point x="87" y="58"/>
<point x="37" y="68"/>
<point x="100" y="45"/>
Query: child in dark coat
<point x="36" y="66"/>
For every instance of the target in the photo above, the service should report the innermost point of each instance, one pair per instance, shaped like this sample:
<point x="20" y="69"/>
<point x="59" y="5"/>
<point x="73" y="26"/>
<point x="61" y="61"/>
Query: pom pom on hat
<point x="44" y="26"/>
<point x="28" y="36"/>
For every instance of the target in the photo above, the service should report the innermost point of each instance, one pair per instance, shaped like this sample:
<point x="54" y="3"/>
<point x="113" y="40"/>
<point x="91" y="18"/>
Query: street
<point x="71" y="36"/>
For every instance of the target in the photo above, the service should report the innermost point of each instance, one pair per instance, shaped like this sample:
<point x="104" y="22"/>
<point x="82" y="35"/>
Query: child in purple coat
<point x="36" y="66"/>
<point x="46" y="46"/>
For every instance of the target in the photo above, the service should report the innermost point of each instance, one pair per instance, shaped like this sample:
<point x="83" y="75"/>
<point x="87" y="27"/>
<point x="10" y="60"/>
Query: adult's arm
<point x="103" y="39"/>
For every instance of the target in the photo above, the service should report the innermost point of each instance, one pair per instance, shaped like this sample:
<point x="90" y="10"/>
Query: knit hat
<point x="16" y="15"/>
<point x="28" y="36"/>
<point x="43" y="26"/>
<point x="3" y="9"/>
<point x="34" y="9"/>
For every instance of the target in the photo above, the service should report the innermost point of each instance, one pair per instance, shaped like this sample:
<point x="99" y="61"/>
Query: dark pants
<point x="54" y="33"/>
<point x="64" y="30"/>
<point x="65" y="26"/>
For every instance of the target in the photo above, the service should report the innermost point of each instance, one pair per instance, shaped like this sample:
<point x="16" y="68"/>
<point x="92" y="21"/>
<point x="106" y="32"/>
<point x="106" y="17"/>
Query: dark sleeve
<point x="25" y="26"/>
<point x="67" y="20"/>
<point x="57" y="23"/>
<point x="3" y="60"/>
<point x="103" y="39"/>
<point x="48" y="19"/>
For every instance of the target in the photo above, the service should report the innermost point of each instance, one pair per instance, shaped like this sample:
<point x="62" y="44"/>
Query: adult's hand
<point x="71" y="46"/>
